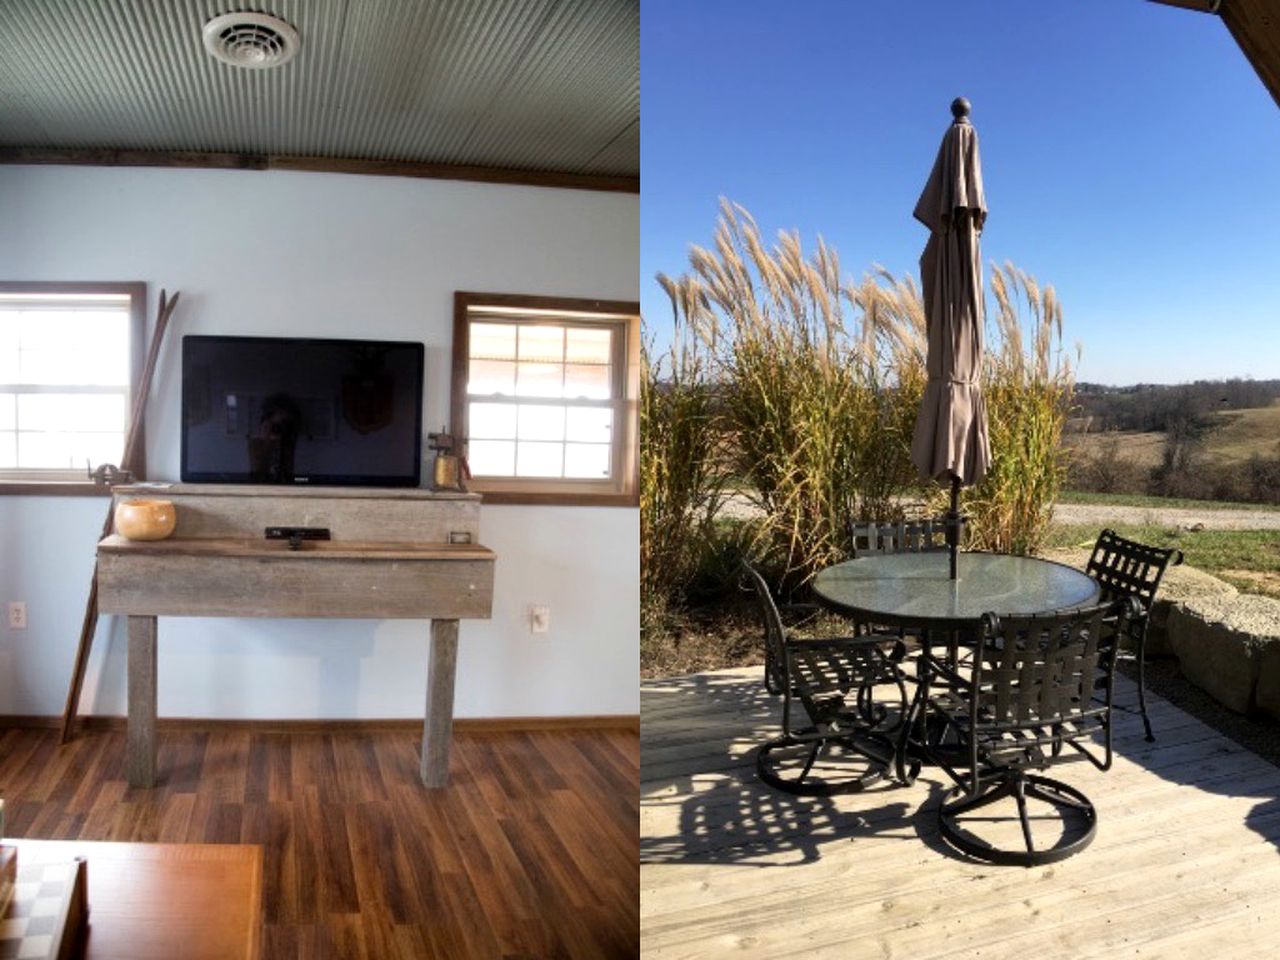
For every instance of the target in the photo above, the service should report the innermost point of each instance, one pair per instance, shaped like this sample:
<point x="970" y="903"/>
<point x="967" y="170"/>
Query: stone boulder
<point x="1223" y="644"/>
<point x="1267" y="693"/>
<point x="1180" y="584"/>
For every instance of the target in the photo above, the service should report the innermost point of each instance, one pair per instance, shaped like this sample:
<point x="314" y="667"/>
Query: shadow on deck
<point x="1188" y="826"/>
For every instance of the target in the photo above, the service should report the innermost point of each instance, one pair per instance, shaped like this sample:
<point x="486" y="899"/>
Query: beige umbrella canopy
<point x="950" y="440"/>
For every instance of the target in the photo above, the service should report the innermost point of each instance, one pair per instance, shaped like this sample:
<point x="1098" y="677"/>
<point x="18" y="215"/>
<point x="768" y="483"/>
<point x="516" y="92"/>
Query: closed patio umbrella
<point x="950" y="441"/>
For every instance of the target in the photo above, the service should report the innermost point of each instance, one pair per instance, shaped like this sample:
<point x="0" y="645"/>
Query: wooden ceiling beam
<point x="1255" y="26"/>
<point x="1204" y="6"/>
<point x="384" y="168"/>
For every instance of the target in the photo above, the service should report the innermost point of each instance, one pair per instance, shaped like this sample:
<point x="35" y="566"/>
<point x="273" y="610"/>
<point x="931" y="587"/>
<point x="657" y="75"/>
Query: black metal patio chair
<point x="1127" y="568"/>
<point x="1025" y="694"/>
<point x="832" y="684"/>
<point x="872" y="537"/>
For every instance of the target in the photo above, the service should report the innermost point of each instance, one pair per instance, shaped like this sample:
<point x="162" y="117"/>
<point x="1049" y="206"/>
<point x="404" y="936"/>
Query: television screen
<point x="276" y="410"/>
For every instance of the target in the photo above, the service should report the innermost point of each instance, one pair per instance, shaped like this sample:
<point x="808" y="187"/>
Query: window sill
<point x="548" y="499"/>
<point x="52" y="488"/>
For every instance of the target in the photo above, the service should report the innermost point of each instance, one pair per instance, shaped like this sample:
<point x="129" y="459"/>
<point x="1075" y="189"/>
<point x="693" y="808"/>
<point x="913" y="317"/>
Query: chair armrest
<point x="943" y="670"/>
<point x="843" y="643"/>
<point x="873" y="643"/>
<point x="799" y="607"/>
<point x="797" y="615"/>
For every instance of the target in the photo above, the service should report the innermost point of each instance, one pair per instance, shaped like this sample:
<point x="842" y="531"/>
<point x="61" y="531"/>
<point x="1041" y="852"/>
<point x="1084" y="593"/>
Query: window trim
<point x="136" y="290"/>
<point x="625" y="492"/>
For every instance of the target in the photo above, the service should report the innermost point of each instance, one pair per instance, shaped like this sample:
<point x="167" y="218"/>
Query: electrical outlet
<point x="539" y="619"/>
<point x="17" y="615"/>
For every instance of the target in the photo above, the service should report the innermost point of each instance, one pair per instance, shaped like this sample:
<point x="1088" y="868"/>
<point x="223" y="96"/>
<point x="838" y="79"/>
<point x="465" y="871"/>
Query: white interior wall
<point x="309" y="254"/>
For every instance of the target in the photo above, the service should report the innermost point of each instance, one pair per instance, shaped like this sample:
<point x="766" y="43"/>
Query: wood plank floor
<point x="1186" y="862"/>
<point x="530" y="852"/>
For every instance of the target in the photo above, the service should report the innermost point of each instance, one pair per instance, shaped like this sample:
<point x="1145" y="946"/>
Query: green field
<point x="1248" y="559"/>
<point x="1159" y="503"/>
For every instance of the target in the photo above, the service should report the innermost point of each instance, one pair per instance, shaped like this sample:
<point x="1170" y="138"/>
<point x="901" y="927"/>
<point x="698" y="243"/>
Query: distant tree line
<point x="1184" y="414"/>
<point x="1182" y="472"/>
<point x="1166" y="408"/>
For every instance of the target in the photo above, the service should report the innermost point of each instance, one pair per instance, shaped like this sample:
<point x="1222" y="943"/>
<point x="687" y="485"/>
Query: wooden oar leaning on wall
<point x="132" y="447"/>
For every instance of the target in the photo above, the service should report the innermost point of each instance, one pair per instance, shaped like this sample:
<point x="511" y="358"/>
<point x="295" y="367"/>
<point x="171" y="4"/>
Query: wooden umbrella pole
<point x="132" y="443"/>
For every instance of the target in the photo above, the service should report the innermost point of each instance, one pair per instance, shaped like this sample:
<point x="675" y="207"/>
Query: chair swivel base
<point x="809" y="745"/>
<point x="1068" y="801"/>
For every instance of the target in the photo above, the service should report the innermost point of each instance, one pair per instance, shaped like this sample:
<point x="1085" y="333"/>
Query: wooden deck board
<point x="1186" y="861"/>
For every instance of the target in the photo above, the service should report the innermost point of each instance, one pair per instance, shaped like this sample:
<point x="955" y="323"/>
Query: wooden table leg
<point x="437" y="730"/>
<point x="140" y="758"/>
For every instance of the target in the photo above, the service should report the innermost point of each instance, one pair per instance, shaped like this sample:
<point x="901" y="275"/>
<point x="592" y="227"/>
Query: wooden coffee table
<point x="197" y="901"/>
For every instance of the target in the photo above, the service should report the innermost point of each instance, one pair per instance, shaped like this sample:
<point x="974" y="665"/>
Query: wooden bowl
<point x="145" y="519"/>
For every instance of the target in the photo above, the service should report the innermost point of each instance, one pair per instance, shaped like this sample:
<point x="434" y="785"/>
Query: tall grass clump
<point x="681" y="479"/>
<point x="820" y="377"/>
<point x="1028" y="386"/>
<point x="802" y="386"/>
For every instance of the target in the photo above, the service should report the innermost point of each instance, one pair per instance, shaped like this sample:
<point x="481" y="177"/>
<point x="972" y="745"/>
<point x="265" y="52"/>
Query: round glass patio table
<point x="914" y="589"/>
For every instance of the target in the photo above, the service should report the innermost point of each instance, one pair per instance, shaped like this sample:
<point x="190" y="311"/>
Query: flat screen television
<point x="293" y="411"/>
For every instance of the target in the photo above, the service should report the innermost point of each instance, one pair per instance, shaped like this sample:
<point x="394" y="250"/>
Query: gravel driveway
<point x="1100" y="515"/>
<point x="1093" y="514"/>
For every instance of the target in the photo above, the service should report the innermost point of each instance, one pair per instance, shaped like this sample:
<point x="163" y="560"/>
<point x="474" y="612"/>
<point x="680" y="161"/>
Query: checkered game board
<point x="30" y="921"/>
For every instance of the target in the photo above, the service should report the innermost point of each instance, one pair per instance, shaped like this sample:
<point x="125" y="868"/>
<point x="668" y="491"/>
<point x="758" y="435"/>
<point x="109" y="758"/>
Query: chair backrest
<point x="868" y="537"/>
<point x="775" y="654"/>
<point x="912" y="536"/>
<point x="1034" y="671"/>
<point x="922" y="536"/>
<point x="1127" y="568"/>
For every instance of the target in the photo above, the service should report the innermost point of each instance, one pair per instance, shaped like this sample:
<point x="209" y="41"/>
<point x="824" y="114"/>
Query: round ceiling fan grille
<point x="251" y="40"/>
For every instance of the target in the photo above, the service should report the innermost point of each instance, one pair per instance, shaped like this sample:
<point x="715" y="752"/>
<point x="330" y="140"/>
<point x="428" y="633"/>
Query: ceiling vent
<point x="251" y="40"/>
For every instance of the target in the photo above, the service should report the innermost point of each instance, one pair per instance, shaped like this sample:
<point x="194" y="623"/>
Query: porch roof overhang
<point x="1255" y="25"/>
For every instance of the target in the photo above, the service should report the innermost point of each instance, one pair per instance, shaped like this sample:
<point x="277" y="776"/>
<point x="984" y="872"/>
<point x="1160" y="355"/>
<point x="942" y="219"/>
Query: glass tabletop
<point x="913" y="589"/>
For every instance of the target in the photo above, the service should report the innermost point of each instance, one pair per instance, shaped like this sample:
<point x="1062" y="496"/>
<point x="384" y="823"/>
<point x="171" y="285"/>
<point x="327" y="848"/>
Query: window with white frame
<point x="68" y="358"/>
<point x="545" y="397"/>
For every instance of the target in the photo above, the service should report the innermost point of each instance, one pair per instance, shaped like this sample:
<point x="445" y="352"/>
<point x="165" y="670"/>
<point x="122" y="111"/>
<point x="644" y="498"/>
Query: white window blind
<point x="543" y="398"/>
<point x="64" y="382"/>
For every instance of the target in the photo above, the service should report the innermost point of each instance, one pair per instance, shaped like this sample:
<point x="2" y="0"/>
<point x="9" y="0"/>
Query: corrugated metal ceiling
<point x="535" y="85"/>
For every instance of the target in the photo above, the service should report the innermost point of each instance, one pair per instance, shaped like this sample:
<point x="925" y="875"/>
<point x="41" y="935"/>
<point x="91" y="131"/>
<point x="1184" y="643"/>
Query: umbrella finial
<point x="960" y="109"/>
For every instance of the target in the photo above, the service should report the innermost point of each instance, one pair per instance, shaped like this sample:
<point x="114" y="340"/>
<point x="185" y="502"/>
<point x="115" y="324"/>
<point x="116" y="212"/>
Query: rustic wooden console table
<point x="390" y="557"/>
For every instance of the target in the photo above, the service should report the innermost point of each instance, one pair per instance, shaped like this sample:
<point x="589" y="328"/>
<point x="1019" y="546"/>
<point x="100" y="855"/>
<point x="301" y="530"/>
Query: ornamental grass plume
<point x="681" y="480"/>
<point x="801" y="386"/>
<point x="1028" y="388"/>
<point x="819" y="378"/>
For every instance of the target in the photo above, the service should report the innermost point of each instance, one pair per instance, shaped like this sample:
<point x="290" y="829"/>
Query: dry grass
<point x="1232" y="437"/>
<point x="800" y="386"/>
<point x="821" y="376"/>
<point x="1027" y="384"/>
<point x="681" y="481"/>
<point x="1237" y="435"/>
<point x="1144" y="449"/>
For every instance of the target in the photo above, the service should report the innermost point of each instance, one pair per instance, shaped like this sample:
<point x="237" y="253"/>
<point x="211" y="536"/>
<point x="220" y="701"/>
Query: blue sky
<point x="1130" y="153"/>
